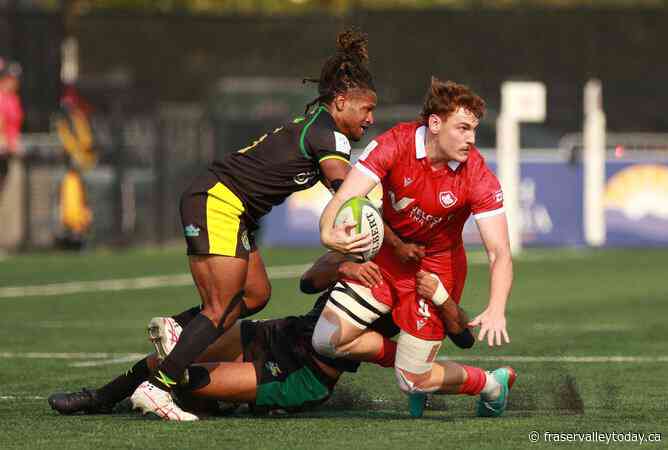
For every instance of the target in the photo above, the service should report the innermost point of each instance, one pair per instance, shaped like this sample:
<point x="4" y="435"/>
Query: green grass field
<point x="570" y="313"/>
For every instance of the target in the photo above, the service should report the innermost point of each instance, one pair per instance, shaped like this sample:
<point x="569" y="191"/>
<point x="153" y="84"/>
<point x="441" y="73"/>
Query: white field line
<point x="561" y="359"/>
<point x="111" y="358"/>
<point x="21" y="397"/>
<point x="132" y="357"/>
<point x="123" y="284"/>
<point x="185" y="279"/>
<point x="87" y="356"/>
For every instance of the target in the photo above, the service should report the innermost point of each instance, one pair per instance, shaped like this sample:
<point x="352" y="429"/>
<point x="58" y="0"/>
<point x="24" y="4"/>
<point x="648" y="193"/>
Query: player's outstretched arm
<point x="338" y="239"/>
<point x="492" y="321"/>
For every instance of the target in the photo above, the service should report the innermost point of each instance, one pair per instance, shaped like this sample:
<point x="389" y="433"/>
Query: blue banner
<point x="551" y="199"/>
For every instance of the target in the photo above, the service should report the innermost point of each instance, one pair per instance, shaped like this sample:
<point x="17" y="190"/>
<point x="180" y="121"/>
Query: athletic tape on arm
<point x="441" y="295"/>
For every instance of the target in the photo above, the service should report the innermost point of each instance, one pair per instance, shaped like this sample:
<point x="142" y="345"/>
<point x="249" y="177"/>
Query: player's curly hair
<point x="347" y="69"/>
<point x="443" y="98"/>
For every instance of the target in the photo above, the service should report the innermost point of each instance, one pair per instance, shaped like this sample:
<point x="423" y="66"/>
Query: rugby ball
<point x="361" y="211"/>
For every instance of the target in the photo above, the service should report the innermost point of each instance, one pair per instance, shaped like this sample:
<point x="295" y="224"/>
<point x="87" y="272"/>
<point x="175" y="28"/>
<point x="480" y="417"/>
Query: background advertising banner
<point x="636" y="203"/>
<point x="636" y="199"/>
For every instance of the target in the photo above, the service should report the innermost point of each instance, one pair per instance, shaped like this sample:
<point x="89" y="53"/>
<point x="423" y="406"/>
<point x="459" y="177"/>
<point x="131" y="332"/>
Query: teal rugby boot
<point x="494" y="408"/>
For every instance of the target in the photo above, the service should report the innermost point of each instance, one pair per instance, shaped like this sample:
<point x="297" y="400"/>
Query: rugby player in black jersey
<point x="221" y="209"/>
<point x="269" y="364"/>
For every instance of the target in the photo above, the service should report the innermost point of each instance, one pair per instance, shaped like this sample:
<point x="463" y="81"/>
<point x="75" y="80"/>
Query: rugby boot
<point x="153" y="400"/>
<point x="164" y="333"/>
<point x="505" y="376"/>
<point x="85" y="401"/>
<point x="416" y="404"/>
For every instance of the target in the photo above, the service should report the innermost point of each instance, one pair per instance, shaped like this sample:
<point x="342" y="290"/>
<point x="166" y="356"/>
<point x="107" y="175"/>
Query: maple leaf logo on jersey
<point x="407" y="181"/>
<point x="447" y="199"/>
<point x="401" y="204"/>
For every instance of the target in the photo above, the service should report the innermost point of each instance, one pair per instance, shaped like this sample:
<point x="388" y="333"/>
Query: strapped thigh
<point x="356" y="304"/>
<point x="415" y="355"/>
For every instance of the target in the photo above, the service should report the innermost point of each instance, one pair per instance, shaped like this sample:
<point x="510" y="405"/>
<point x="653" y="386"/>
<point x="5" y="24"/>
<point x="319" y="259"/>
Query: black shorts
<point x="212" y="218"/>
<point x="287" y="377"/>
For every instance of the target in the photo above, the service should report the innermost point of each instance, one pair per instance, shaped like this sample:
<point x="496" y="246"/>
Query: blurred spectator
<point x="11" y="116"/>
<point x="74" y="130"/>
<point x="76" y="137"/>
<point x="75" y="214"/>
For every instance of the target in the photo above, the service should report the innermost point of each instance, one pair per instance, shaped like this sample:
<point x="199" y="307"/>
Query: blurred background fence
<point x="168" y="92"/>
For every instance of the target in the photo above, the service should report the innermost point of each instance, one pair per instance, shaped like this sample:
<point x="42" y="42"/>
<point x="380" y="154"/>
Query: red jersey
<point x="424" y="205"/>
<point x="430" y="207"/>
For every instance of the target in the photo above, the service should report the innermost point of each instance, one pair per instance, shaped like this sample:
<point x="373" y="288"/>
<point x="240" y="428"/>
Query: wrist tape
<point x="441" y="295"/>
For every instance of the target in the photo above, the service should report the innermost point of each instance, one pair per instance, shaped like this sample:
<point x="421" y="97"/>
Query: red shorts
<point x="414" y="315"/>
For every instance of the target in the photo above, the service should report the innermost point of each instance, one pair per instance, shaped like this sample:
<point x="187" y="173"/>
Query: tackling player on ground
<point x="221" y="209"/>
<point x="433" y="179"/>
<point x="270" y="364"/>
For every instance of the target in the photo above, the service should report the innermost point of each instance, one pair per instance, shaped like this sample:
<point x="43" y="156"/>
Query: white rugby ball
<point x="361" y="211"/>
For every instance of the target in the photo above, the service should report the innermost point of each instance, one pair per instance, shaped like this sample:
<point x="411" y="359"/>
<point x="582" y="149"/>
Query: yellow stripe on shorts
<point x="223" y="210"/>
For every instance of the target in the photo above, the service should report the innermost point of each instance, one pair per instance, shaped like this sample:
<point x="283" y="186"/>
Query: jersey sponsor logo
<point x="401" y="204"/>
<point x="368" y="149"/>
<point x="191" y="231"/>
<point x="447" y="199"/>
<point x="304" y="177"/>
<point x="498" y="196"/>
<point x="421" y="217"/>
<point x="407" y="181"/>
<point x="342" y="143"/>
<point x="273" y="368"/>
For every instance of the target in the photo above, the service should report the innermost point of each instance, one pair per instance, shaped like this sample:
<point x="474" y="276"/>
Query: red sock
<point x="475" y="381"/>
<point x="387" y="353"/>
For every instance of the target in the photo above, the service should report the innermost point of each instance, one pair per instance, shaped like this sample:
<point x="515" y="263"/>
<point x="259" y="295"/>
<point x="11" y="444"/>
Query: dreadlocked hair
<point x="347" y="69"/>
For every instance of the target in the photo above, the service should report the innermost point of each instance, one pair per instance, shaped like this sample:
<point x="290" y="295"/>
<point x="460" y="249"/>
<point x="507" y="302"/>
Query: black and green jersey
<point x="279" y="163"/>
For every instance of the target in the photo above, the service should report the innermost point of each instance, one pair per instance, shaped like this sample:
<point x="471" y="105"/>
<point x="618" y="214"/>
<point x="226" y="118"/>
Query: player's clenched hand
<point x="426" y="284"/>
<point x="342" y="239"/>
<point x="409" y="252"/>
<point x="493" y="326"/>
<point x="366" y="273"/>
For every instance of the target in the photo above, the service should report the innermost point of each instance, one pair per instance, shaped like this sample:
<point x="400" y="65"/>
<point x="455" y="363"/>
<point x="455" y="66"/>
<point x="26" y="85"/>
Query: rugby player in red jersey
<point x="433" y="179"/>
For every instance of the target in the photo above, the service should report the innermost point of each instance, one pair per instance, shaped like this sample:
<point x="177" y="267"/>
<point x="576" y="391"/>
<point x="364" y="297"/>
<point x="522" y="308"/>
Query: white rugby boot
<point x="149" y="399"/>
<point x="164" y="333"/>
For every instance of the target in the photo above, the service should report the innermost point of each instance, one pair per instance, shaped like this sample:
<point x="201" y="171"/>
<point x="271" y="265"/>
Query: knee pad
<point x="323" y="337"/>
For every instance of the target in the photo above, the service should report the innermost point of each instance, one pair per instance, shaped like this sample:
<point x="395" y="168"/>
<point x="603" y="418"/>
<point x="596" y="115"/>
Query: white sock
<point x="492" y="388"/>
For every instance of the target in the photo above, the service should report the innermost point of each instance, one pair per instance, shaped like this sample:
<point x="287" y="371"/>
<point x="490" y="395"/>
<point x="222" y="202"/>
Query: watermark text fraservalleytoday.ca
<point x="595" y="437"/>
